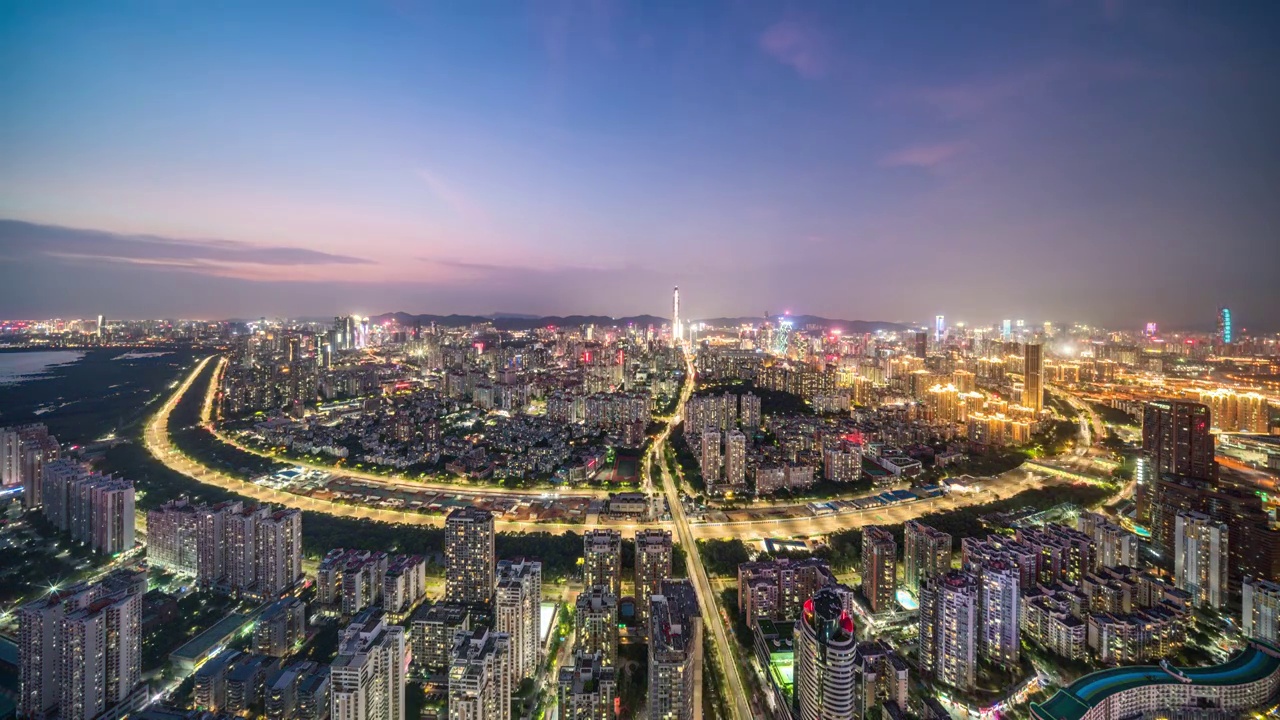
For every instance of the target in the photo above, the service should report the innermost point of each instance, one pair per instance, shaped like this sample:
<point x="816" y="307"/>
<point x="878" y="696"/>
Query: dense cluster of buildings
<point x="251" y="551"/>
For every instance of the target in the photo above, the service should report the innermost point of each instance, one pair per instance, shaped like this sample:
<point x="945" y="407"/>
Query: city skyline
<point x="1105" y="162"/>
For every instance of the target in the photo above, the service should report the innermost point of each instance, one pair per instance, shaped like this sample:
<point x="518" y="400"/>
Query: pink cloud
<point x="797" y="45"/>
<point x="924" y="156"/>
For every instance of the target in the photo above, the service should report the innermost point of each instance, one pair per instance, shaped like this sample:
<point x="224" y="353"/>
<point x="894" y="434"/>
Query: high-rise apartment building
<point x="1176" y="439"/>
<point x="172" y="532"/>
<point x="597" y="624"/>
<point x="711" y="459"/>
<point x="432" y="632"/>
<point x="675" y="652"/>
<point x="749" y="411"/>
<point x="948" y="640"/>
<point x="777" y="589"/>
<point x="1200" y="554"/>
<point x="825" y="645"/>
<point x="404" y="585"/>
<point x="469" y="555"/>
<point x="80" y="650"/>
<point x="926" y="553"/>
<point x="879" y="568"/>
<point x="653" y="565"/>
<point x="1114" y="545"/>
<point x="367" y="678"/>
<point x="999" y="597"/>
<point x="880" y="680"/>
<point x="24" y="451"/>
<point x="96" y="509"/>
<point x="1261" y="610"/>
<point x="281" y="628"/>
<point x="517" y="602"/>
<point x="735" y="459"/>
<point x="279" y="559"/>
<point x="602" y="560"/>
<point x="480" y="676"/>
<point x="587" y="688"/>
<point x="1033" y="377"/>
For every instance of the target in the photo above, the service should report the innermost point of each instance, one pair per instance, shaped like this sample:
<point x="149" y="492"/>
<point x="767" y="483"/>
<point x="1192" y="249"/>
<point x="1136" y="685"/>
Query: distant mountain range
<point x="856" y="327"/>
<point x="514" y="321"/>
<point x="517" y="321"/>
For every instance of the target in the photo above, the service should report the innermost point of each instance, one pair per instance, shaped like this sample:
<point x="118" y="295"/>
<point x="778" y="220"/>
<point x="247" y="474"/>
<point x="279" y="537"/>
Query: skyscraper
<point x="469" y="555"/>
<point x="1224" y="326"/>
<point x="879" y="568"/>
<point x="479" y="676"/>
<point x="1033" y="377"/>
<point x="710" y="465"/>
<point x="939" y="328"/>
<point x="587" y="689"/>
<point x="675" y="652"/>
<point x="926" y="553"/>
<point x="597" y="624"/>
<point x="653" y="565"/>
<point x="602" y="560"/>
<point x="1261" y="610"/>
<point x="735" y="459"/>
<point x="998" y="603"/>
<point x="825" y="645"/>
<point x="80" y="650"/>
<point x="921" y="347"/>
<point x="367" y="678"/>
<point x="1176" y="439"/>
<point x="677" y="331"/>
<point x="516" y="608"/>
<point x="1200" y="556"/>
<point x="948" y="639"/>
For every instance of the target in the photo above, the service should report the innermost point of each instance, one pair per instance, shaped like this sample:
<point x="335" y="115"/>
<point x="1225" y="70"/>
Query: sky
<point x="1111" y="162"/>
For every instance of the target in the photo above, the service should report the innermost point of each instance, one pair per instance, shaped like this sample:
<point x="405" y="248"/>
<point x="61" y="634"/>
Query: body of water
<point x="86" y="395"/>
<point x="25" y="366"/>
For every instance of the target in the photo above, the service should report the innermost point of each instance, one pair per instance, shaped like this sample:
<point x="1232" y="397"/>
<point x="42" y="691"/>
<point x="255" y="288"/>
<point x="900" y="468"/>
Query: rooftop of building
<point x="196" y="648"/>
<point x="1259" y="660"/>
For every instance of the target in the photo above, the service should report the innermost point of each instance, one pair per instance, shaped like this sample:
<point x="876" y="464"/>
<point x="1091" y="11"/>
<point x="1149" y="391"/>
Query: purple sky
<point x="1111" y="162"/>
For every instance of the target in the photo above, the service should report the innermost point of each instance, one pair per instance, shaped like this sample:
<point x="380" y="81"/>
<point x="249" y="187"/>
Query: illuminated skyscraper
<point x="675" y="653"/>
<point x="998" y="600"/>
<point x="1176" y="439"/>
<point x="517" y="599"/>
<point x="1224" y="325"/>
<point x="949" y="628"/>
<point x="939" y="328"/>
<point x="1033" y="377"/>
<point x="602" y="560"/>
<point x="469" y="555"/>
<point x="653" y="565"/>
<point x="1006" y="330"/>
<point x="677" y="332"/>
<point x="825" y="646"/>
<point x="1200" y="558"/>
<point x="927" y="553"/>
<point x="879" y="568"/>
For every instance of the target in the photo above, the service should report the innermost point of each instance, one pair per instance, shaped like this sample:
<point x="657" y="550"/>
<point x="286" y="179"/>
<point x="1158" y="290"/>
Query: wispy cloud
<point x="798" y="45"/>
<point x="213" y="257"/>
<point x="927" y="156"/>
<point x="979" y="95"/>
<point x="446" y="192"/>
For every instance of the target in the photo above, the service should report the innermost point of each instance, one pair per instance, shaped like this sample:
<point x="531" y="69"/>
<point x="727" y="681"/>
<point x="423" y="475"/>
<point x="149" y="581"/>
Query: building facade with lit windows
<point x="948" y="638"/>
<point x="469" y="555"/>
<point x="825" y="649"/>
<point x="602" y="560"/>
<point x="879" y="568"/>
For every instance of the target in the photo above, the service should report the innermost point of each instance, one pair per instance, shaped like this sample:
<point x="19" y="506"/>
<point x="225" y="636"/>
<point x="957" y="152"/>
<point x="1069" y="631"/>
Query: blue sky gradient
<point x="1110" y="162"/>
